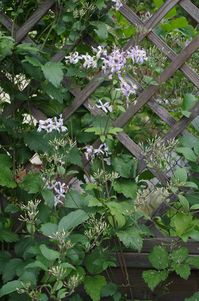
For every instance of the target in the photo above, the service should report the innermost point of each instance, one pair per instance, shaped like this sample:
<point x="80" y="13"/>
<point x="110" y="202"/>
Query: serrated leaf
<point x="93" y="286"/>
<point x="98" y="261"/>
<point x="179" y="255"/>
<point x="36" y="141"/>
<point x="6" y="175"/>
<point x="49" y="253"/>
<point x="153" y="278"/>
<point x="159" y="258"/>
<point x="183" y="270"/>
<point x="131" y="238"/>
<point x="72" y="220"/>
<point x="10" y="287"/>
<point x="53" y="72"/>
<point x="127" y="188"/>
<point x="101" y="29"/>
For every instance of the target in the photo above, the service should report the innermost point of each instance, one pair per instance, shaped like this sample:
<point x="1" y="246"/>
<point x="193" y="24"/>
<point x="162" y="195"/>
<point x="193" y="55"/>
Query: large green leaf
<point x="93" y="286"/>
<point x="153" y="278"/>
<point x="131" y="238"/>
<point x="159" y="258"/>
<point x="49" y="253"/>
<point x="6" y="175"/>
<point x="53" y="72"/>
<point x="126" y="187"/>
<point x="10" y="287"/>
<point x="72" y="220"/>
<point x="32" y="183"/>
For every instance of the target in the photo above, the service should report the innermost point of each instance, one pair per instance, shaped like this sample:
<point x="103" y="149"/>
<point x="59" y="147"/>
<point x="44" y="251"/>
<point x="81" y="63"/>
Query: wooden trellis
<point x="136" y="262"/>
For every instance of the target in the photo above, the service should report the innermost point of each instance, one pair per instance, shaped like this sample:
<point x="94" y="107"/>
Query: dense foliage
<point x="69" y="203"/>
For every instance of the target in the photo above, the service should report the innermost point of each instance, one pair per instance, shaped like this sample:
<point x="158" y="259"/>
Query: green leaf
<point x="153" y="278"/>
<point x="74" y="157"/>
<point x="36" y="141"/>
<point x="101" y="30"/>
<point x="8" y="236"/>
<point x="159" y="258"/>
<point x="183" y="270"/>
<point x="10" y="287"/>
<point x="188" y="153"/>
<point x="116" y="211"/>
<point x="75" y="200"/>
<point x="179" y="255"/>
<point x="93" y="286"/>
<point x="180" y="175"/>
<point x="193" y="261"/>
<point x="195" y="297"/>
<point x="123" y="165"/>
<point x="49" y="253"/>
<point x="72" y="220"/>
<point x="131" y="238"/>
<point x="53" y="72"/>
<point x="6" y="46"/>
<point x="49" y="229"/>
<point x="184" y="202"/>
<point x="98" y="261"/>
<point x="48" y="196"/>
<point x="100" y="4"/>
<point x="10" y="269"/>
<point x="36" y="264"/>
<point x="127" y="188"/>
<point x="32" y="183"/>
<point x="182" y="223"/>
<point x="7" y="177"/>
<point x="188" y="101"/>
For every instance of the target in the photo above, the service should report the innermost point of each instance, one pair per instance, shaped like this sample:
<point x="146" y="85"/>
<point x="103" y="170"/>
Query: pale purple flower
<point x="117" y="3"/>
<point x="73" y="58"/>
<point x="59" y="189"/>
<point x="89" y="152"/>
<point x="89" y="61"/>
<point x="101" y="151"/>
<point x="114" y="62"/>
<point x="52" y="124"/>
<point x="127" y="88"/>
<point x="106" y="107"/>
<point x="137" y="55"/>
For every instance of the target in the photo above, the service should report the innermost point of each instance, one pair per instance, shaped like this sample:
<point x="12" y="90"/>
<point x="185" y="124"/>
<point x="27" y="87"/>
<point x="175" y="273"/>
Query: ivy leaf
<point x="49" y="253"/>
<point x="183" y="270"/>
<point x="53" y="72"/>
<point x="153" y="278"/>
<point x="10" y="287"/>
<point x="159" y="258"/>
<point x="127" y="188"/>
<point x="93" y="286"/>
<point x="131" y="238"/>
<point x="72" y="220"/>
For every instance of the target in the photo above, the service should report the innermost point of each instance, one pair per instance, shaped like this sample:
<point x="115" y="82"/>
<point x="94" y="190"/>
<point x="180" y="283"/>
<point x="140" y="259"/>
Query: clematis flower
<point x="59" y="190"/>
<point x="106" y="107"/>
<point x="52" y="124"/>
<point x="127" y="88"/>
<point x="137" y="55"/>
<point x="89" y="61"/>
<point x="114" y="62"/>
<point x="73" y="58"/>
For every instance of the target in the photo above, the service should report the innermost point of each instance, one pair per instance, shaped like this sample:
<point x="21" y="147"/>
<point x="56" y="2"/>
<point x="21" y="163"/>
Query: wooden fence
<point x="135" y="262"/>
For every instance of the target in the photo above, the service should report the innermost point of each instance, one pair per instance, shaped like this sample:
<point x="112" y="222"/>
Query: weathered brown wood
<point x="191" y="9"/>
<point x="162" y="46"/>
<point x="33" y="20"/>
<point x="144" y="97"/>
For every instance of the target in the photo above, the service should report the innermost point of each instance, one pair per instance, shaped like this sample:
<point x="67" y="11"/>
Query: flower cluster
<point x="52" y="124"/>
<point x="59" y="190"/>
<point x="87" y="60"/>
<point x="127" y="88"/>
<point x="137" y="55"/>
<point x="91" y="152"/>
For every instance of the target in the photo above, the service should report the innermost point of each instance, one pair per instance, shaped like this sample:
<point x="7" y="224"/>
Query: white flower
<point x="106" y="107"/>
<point x="89" y="61"/>
<point x="114" y="62"/>
<point x="118" y="4"/>
<point x="102" y="150"/>
<point x="59" y="190"/>
<point x="89" y="152"/>
<point x="73" y="58"/>
<point x="127" y="88"/>
<point x="92" y="152"/>
<point x="100" y="52"/>
<point x="51" y="124"/>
